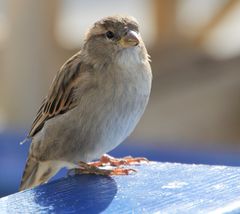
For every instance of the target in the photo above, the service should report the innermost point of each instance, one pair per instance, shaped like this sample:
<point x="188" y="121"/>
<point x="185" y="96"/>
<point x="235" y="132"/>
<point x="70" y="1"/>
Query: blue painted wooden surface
<point x="13" y="156"/>
<point x="155" y="188"/>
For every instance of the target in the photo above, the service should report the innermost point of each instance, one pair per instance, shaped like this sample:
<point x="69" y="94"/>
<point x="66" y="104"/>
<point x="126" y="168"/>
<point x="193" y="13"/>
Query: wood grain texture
<point x="155" y="188"/>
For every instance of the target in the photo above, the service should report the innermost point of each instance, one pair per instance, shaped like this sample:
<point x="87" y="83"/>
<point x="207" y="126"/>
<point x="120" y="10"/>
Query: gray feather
<point x="36" y="173"/>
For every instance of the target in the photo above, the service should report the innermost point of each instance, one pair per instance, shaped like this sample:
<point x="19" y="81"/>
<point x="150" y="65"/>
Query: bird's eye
<point x="109" y="34"/>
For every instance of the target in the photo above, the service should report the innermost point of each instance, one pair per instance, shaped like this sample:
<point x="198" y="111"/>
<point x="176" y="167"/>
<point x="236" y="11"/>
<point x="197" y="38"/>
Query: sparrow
<point x="94" y="103"/>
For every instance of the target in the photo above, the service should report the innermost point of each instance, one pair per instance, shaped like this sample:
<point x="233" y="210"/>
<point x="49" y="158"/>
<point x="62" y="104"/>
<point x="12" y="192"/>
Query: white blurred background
<point x="195" y="49"/>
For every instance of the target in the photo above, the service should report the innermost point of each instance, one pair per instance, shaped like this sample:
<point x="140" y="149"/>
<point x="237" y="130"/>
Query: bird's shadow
<point x="76" y="194"/>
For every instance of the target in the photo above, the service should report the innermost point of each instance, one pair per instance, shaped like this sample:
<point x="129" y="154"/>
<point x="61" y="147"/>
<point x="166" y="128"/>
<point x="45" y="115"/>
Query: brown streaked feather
<point x="61" y="97"/>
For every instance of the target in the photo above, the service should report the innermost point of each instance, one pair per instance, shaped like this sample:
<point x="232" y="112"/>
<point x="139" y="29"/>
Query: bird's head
<point x="113" y="34"/>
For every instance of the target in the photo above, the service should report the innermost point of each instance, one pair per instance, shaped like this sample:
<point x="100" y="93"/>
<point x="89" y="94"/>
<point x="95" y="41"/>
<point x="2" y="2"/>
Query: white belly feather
<point x="132" y="85"/>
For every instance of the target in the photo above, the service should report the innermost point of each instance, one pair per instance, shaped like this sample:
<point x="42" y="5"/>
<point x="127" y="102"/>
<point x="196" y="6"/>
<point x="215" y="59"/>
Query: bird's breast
<point x="124" y="95"/>
<point x="109" y="113"/>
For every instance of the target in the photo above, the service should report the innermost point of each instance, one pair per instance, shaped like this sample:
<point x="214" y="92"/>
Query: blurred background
<point x="194" y="111"/>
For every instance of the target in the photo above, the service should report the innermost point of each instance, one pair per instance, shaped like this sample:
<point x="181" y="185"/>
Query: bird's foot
<point x="85" y="168"/>
<point x="107" y="160"/>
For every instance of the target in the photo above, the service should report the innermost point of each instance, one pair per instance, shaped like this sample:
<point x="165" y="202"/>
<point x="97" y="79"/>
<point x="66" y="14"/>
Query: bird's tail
<point x="36" y="173"/>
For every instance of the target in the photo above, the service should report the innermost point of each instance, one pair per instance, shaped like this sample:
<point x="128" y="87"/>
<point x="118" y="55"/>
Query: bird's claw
<point x="85" y="168"/>
<point x="108" y="160"/>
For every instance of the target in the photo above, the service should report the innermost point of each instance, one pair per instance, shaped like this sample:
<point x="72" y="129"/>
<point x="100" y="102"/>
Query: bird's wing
<point x="61" y="97"/>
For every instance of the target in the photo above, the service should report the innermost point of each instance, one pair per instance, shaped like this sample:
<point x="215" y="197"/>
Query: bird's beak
<point x="130" y="39"/>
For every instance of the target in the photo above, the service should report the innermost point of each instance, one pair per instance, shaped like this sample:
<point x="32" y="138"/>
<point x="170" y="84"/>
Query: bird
<point x="94" y="103"/>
